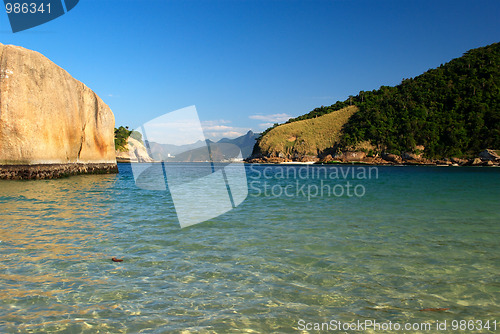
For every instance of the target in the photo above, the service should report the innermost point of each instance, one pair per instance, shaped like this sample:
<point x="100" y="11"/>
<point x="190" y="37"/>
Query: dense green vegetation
<point x="121" y="136"/>
<point x="453" y="110"/>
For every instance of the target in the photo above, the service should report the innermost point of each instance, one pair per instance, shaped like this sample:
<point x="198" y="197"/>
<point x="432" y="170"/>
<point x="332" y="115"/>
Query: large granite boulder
<point x="49" y="118"/>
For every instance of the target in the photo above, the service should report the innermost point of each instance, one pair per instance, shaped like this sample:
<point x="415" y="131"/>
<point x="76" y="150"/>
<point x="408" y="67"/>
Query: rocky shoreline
<point x="53" y="171"/>
<point x="486" y="158"/>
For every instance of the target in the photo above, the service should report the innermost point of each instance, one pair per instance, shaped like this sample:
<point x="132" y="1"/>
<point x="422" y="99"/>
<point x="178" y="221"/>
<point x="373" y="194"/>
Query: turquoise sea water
<point x="416" y="238"/>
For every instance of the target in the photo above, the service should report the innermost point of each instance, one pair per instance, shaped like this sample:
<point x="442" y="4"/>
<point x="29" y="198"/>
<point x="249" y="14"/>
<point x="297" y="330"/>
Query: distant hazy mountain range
<point x="222" y="150"/>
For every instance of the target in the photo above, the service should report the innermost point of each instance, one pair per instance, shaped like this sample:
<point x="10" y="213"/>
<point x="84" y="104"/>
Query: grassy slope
<point x="306" y="137"/>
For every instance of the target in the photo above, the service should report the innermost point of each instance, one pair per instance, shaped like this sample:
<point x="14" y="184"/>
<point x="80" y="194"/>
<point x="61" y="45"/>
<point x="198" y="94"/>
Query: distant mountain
<point x="165" y="151"/>
<point x="224" y="149"/>
<point x="245" y="143"/>
<point x="217" y="152"/>
<point x="450" y="111"/>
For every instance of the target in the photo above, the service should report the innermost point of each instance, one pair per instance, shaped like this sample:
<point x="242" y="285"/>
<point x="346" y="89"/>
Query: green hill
<point x="307" y="137"/>
<point x="453" y="110"/>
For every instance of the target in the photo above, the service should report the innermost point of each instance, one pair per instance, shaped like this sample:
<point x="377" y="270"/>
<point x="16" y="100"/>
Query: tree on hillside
<point x="121" y="136"/>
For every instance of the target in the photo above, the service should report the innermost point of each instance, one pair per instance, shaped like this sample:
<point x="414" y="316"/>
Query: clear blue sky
<point x="248" y="63"/>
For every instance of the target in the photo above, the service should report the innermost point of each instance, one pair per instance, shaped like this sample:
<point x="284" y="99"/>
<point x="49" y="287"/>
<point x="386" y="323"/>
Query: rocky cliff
<point x="135" y="151"/>
<point x="50" y="121"/>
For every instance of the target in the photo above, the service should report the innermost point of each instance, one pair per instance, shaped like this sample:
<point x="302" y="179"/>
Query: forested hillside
<point x="453" y="110"/>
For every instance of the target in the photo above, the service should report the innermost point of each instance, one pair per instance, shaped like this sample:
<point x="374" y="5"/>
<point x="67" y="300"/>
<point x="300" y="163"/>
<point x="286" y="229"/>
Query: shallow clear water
<point x="418" y="237"/>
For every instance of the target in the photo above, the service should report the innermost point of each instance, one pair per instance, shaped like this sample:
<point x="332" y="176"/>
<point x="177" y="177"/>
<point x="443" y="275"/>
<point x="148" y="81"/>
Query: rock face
<point x="135" y="152"/>
<point x="49" y="118"/>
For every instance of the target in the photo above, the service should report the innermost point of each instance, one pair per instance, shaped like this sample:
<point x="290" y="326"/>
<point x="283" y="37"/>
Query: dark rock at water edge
<point x="490" y="155"/>
<point x="459" y="161"/>
<point x="391" y="157"/>
<point x="351" y="156"/>
<point x="487" y="158"/>
<point x="54" y="171"/>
